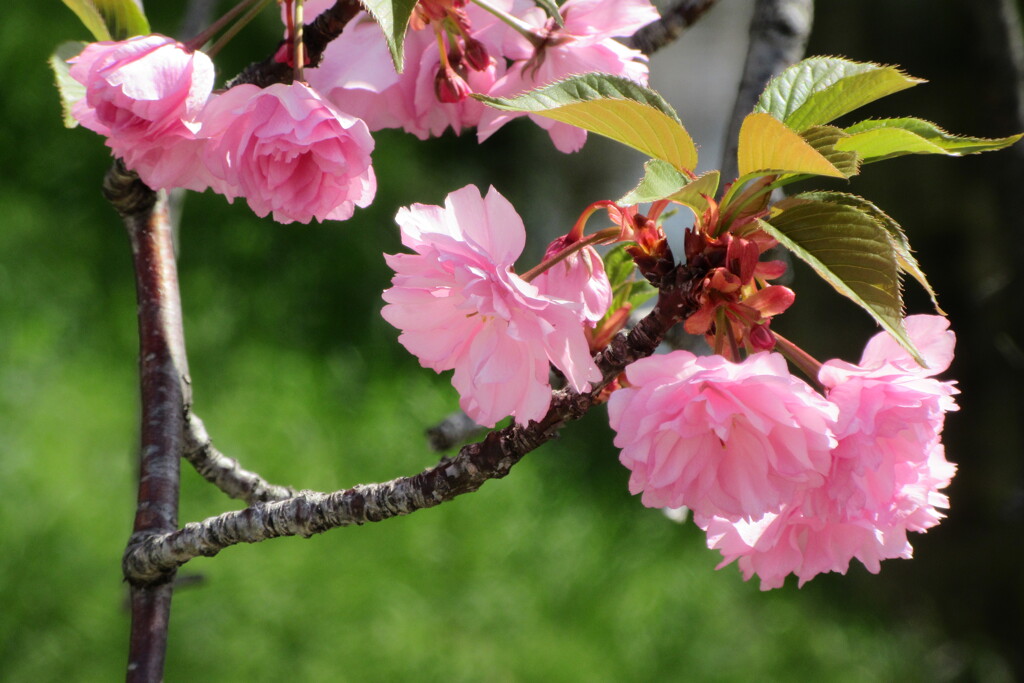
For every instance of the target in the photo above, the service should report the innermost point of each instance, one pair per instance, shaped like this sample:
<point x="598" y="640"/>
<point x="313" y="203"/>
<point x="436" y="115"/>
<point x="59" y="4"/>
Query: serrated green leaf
<point x="618" y="265"/>
<point x="768" y="147"/>
<point x="852" y="252"/>
<point x="626" y="288"/>
<point x="823" y="139"/>
<point x="904" y="254"/>
<point x="393" y="18"/>
<point x="70" y="90"/>
<point x="640" y="292"/>
<point x="111" y="19"/>
<point x="90" y="18"/>
<point x="614" y="107"/>
<point x="877" y="140"/>
<point x="820" y="89"/>
<point x="660" y="180"/>
<point x="695" y="195"/>
<point x="550" y="8"/>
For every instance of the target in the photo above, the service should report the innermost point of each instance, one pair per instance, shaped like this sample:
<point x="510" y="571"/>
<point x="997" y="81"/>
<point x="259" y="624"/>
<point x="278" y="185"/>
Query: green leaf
<point x="768" y="147"/>
<point x="823" y="139"/>
<point x="550" y="7"/>
<point x="614" y="107"/>
<point x="877" y="140"/>
<point x="111" y="19"/>
<point x="695" y="195"/>
<point x="393" y="17"/>
<point x="821" y="89"/>
<point x="852" y="252"/>
<point x="70" y="90"/>
<point x="904" y="254"/>
<point x="626" y="288"/>
<point x="662" y="181"/>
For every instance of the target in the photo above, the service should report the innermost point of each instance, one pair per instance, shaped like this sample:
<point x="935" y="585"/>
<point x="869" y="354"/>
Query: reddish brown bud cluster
<point x="735" y="305"/>
<point x="465" y="53"/>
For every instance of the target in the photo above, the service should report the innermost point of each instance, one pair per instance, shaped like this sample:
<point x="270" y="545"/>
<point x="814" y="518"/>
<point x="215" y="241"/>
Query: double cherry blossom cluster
<point x="302" y="150"/>
<point x="783" y="477"/>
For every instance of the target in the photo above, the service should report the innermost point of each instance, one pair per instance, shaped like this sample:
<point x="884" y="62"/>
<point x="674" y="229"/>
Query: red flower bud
<point x="450" y="87"/>
<point x="477" y="56"/>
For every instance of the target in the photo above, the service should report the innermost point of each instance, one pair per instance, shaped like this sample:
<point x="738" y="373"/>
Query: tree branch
<point x="163" y="377"/>
<point x="226" y="473"/>
<point x="778" y="37"/>
<point x="311" y="512"/>
<point x="674" y="20"/>
<point x="317" y="35"/>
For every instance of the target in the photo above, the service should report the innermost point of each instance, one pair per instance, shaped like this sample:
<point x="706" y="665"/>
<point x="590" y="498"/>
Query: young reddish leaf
<point x="614" y="107"/>
<point x="393" y="17"/>
<point x="904" y="254"/>
<point x="70" y="90"/>
<point x="852" y="252"/>
<point x="111" y="19"/>
<point x="820" y="89"/>
<point x="768" y="147"/>
<point x="877" y="140"/>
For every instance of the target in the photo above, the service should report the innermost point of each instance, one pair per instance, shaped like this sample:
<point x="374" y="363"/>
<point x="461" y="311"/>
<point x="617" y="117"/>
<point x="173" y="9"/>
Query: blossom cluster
<point x="302" y="150"/>
<point x="454" y="49"/>
<point x="782" y="479"/>
<point x="286" y="149"/>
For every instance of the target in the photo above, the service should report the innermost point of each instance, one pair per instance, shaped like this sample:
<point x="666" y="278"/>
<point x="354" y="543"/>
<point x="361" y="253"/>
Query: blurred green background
<point x="554" y="573"/>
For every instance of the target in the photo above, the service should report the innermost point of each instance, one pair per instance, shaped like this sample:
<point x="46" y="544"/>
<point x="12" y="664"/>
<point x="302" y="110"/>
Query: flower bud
<point x="450" y="87"/>
<point x="476" y="54"/>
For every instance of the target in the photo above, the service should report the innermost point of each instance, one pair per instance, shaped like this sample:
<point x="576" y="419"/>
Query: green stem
<point x="207" y="35"/>
<point x="517" y="24"/>
<point x="300" y="57"/>
<point x="237" y="26"/>
<point x="729" y="211"/>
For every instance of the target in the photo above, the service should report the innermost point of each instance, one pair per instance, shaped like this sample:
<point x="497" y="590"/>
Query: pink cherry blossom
<point x="584" y="44"/>
<point x="144" y="94"/>
<point x="730" y="439"/>
<point x="887" y="470"/>
<point x="357" y="75"/>
<point x="288" y="151"/>
<point x="460" y="306"/>
<point x="579" y="277"/>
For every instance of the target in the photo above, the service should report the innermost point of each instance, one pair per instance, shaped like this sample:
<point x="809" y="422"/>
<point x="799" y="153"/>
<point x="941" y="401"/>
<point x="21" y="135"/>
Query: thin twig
<point x="311" y="512"/>
<point x="198" y="14"/>
<point x="317" y="35"/>
<point x="163" y="377"/>
<point x="674" y="20"/>
<point x="226" y="473"/>
<point x="778" y="37"/>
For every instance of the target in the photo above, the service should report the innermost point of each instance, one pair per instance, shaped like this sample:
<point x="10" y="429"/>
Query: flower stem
<point x="238" y="26"/>
<point x="600" y="237"/>
<point x="803" y="361"/>
<point x="210" y="31"/>
<point x="300" y="56"/>
<point x="517" y="24"/>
